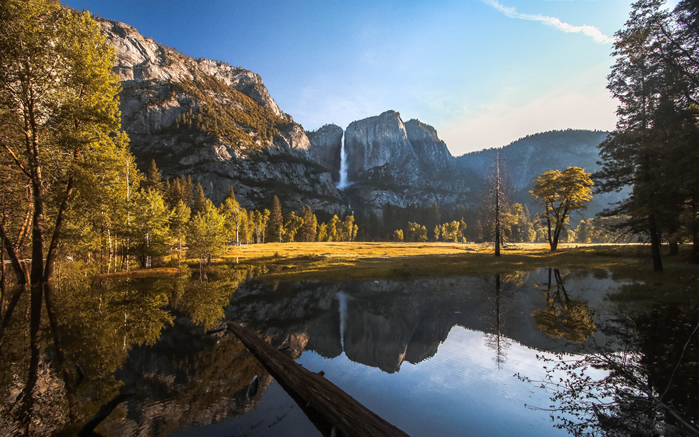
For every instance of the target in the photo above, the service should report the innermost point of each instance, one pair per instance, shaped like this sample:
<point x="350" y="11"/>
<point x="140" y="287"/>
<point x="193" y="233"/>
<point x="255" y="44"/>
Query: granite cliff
<point x="403" y="164"/>
<point x="217" y="123"/>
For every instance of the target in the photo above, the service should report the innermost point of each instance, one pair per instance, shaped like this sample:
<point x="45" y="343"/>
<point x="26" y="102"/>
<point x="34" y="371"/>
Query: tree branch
<point x="14" y="157"/>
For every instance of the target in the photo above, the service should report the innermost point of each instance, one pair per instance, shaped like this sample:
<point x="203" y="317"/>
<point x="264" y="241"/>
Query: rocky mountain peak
<point x="142" y="59"/>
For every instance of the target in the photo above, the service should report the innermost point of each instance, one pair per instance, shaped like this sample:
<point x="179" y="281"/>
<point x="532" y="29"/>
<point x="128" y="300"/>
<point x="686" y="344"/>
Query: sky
<point x="484" y="73"/>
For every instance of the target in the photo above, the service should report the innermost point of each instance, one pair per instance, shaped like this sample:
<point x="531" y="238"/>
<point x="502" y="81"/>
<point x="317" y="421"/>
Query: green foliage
<point x="276" y="221"/>
<point x="150" y="231"/>
<point x="322" y="232"/>
<point x="179" y="190"/>
<point x="200" y="201"/>
<point x="206" y="235"/>
<point x="153" y="180"/>
<point x="310" y="224"/>
<point x="417" y="232"/>
<point x="601" y="230"/>
<point x="235" y="217"/>
<point x="179" y="219"/>
<point x="292" y="224"/>
<point x="398" y="235"/>
<point x="560" y="193"/>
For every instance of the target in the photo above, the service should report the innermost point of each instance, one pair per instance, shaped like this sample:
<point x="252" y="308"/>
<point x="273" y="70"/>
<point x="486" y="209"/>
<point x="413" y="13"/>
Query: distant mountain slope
<point x="525" y="159"/>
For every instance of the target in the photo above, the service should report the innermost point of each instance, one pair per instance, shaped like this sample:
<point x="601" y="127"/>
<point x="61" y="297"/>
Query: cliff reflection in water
<point x="149" y="337"/>
<point x="384" y="323"/>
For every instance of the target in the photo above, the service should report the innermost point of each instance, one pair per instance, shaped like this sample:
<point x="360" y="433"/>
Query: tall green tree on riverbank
<point x="60" y="128"/>
<point x="654" y="149"/>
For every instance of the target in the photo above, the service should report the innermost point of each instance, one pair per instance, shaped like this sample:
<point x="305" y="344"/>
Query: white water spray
<point x="344" y="183"/>
<point x="343" y="317"/>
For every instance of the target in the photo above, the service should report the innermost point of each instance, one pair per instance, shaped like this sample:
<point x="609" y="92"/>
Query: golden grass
<point x="361" y="260"/>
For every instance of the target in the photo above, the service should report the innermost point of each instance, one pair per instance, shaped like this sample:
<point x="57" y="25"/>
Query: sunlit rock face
<point x="375" y="142"/>
<point x="326" y="146"/>
<point x="142" y="59"/>
<point x="216" y="123"/>
<point x="401" y="164"/>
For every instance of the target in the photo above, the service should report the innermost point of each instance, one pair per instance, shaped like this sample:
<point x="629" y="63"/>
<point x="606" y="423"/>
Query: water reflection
<point x="563" y="317"/>
<point x="649" y="383"/>
<point x="427" y="354"/>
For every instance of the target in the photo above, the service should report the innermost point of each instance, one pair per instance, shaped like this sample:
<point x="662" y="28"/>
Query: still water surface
<point x="431" y="356"/>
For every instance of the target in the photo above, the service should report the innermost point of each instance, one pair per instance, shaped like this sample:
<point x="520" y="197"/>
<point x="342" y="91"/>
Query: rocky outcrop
<point x="216" y="123"/>
<point x="430" y="150"/>
<point x="326" y="146"/>
<point x="400" y="164"/>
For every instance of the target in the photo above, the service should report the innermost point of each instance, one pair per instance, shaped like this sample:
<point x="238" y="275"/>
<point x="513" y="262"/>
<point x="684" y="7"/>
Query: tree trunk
<point x="674" y="246"/>
<point x="654" y="244"/>
<point x="329" y="408"/>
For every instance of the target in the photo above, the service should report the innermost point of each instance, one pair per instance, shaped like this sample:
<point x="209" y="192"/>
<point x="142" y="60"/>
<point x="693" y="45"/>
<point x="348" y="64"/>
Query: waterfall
<point x="343" y="317"/>
<point x="344" y="183"/>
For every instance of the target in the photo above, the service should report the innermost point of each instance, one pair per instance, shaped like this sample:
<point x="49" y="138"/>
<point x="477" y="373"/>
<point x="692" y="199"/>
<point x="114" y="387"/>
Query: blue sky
<point x="482" y="72"/>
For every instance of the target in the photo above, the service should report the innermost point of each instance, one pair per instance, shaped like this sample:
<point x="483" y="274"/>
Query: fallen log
<point x="331" y="410"/>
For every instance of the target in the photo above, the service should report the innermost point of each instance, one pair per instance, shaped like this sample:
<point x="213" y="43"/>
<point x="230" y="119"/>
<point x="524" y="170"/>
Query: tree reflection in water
<point x="563" y="317"/>
<point x="100" y="323"/>
<point x="648" y="383"/>
<point x="497" y="341"/>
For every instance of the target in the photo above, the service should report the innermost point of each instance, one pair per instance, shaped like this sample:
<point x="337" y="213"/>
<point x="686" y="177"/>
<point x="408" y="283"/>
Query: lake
<point x="449" y="356"/>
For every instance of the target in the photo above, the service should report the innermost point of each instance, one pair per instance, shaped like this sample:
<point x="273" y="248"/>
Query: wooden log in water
<point x="331" y="410"/>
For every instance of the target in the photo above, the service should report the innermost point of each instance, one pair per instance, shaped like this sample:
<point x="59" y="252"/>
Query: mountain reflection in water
<point x="432" y="356"/>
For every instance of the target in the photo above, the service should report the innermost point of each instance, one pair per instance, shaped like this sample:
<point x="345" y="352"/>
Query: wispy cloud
<point x="590" y="31"/>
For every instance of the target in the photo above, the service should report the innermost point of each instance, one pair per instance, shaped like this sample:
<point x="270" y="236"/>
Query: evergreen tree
<point x="200" y="200"/>
<point x="310" y="223"/>
<point x="230" y="194"/>
<point x="179" y="219"/>
<point x="276" y="220"/>
<point x="632" y="155"/>
<point x="153" y="180"/>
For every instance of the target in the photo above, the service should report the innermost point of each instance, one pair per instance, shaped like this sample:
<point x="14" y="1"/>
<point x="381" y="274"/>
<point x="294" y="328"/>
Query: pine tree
<point x="276" y="220"/>
<point x="153" y="179"/>
<point x="630" y="156"/>
<point x="310" y="223"/>
<point x="200" y="200"/>
<point x="230" y="194"/>
<point x="179" y="219"/>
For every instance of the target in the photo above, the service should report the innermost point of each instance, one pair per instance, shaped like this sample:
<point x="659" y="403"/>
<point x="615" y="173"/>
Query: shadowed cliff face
<point x="326" y="146"/>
